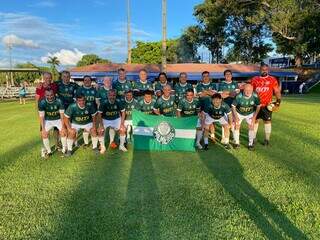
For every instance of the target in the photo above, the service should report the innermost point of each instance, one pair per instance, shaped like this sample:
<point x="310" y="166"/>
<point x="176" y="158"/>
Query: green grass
<point x="272" y="193"/>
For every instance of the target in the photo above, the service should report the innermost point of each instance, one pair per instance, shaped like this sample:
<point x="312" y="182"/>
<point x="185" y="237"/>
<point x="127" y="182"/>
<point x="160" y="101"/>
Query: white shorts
<point x="127" y="123"/>
<point x="49" y="124"/>
<point x="209" y="120"/>
<point x="86" y="127"/>
<point x="115" y="124"/>
<point x="248" y="118"/>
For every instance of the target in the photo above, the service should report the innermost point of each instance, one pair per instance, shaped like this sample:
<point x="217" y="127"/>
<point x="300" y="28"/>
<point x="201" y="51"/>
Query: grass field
<point x="272" y="193"/>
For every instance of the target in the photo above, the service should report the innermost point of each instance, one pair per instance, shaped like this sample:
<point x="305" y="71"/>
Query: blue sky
<point x="68" y="29"/>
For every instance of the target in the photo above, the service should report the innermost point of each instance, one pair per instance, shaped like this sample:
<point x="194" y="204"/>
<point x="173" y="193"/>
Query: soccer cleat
<point x="96" y="150"/>
<point x="227" y="146"/>
<point x="113" y="145"/>
<point x="85" y="146"/>
<point x="68" y="154"/>
<point x="251" y="148"/>
<point x="255" y="141"/>
<point x="199" y="146"/>
<point x="123" y="149"/>
<point x="236" y="146"/>
<point x="43" y="152"/>
<point x="266" y="142"/>
<point x="206" y="147"/>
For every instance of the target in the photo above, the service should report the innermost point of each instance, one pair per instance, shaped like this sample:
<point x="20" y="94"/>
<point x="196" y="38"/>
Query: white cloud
<point x="12" y="40"/>
<point x="45" y="3"/>
<point x="66" y="57"/>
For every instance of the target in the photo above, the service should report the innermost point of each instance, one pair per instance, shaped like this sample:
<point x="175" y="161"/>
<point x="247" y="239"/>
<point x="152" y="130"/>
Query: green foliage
<point x="150" y="52"/>
<point x="188" y="45"/>
<point x="272" y="193"/>
<point x="89" y="59"/>
<point x="26" y="76"/>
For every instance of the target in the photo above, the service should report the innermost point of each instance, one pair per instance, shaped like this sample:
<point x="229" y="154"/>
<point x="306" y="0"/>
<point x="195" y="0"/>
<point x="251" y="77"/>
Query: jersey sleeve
<point x="227" y="109"/>
<point x="68" y="112"/>
<point x="256" y="99"/>
<point x="61" y="106"/>
<point x="198" y="88"/>
<point x="101" y="107"/>
<point x="235" y="101"/>
<point x="121" y="106"/>
<point x="275" y="85"/>
<point x="179" y="106"/>
<point x="157" y="104"/>
<point x="93" y="110"/>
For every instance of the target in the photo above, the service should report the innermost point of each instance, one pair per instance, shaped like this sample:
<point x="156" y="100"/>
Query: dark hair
<point x="216" y="95"/>
<point x="148" y="92"/>
<point x="162" y="74"/>
<point x="48" y="89"/>
<point x="205" y="72"/>
<point x="263" y="65"/>
<point x="189" y="90"/>
<point x="112" y="90"/>
<point x="79" y="95"/>
<point x="65" y="72"/>
<point x="121" y="70"/>
<point x="87" y="76"/>
<point x="129" y="91"/>
<point x="227" y="71"/>
<point x="183" y="73"/>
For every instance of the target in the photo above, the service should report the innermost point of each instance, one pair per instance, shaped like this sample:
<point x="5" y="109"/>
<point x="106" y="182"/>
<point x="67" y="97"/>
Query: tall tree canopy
<point x="89" y="59"/>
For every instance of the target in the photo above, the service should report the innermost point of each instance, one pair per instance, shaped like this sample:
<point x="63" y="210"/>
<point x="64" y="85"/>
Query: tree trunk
<point x="298" y="60"/>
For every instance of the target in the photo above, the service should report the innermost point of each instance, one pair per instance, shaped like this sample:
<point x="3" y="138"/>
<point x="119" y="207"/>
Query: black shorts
<point x="264" y="114"/>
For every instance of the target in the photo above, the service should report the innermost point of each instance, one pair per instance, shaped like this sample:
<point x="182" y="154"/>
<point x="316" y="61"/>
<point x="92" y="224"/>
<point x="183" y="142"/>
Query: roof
<point x="194" y="70"/>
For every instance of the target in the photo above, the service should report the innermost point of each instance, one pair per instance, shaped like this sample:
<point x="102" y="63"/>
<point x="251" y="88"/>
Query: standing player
<point x="89" y="92"/>
<point x="51" y="115"/>
<point x="165" y="104"/>
<point x="245" y="107"/>
<point x="78" y="116"/>
<point x="266" y="86"/>
<point x="181" y="87"/>
<point x="142" y="84"/>
<point x="102" y="92"/>
<point x="228" y="88"/>
<point x="163" y="81"/>
<point x="217" y="112"/>
<point x="111" y="113"/>
<point x="66" y="89"/>
<point x="130" y="104"/>
<point x="205" y="89"/>
<point x="122" y="84"/>
<point x="146" y="104"/>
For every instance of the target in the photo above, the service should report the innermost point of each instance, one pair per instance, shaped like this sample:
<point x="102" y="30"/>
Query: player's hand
<point x="122" y="127"/>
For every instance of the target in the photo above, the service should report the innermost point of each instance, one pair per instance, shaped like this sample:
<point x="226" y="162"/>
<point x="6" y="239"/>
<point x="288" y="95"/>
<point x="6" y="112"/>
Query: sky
<point x="37" y="29"/>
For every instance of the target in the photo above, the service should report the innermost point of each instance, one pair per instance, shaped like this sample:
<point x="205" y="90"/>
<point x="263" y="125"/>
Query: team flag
<point x="159" y="133"/>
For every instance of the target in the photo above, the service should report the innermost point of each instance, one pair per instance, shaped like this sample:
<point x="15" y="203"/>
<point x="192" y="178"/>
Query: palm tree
<point x="53" y="61"/>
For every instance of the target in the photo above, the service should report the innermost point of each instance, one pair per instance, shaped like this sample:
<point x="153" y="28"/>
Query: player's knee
<point x="72" y="133"/>
<point x="44" y="134"/>
<point x="93" y="132"/>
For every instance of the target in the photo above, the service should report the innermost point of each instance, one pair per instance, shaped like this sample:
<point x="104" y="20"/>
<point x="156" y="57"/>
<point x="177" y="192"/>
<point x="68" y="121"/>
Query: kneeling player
<point x="217" y="112"/>
<point x="146" y="104"/>
<point x="245" y="106"/>
<point x="111" y="114"/>
<point x="51" y="115"/>
<point x="130" y="104"/>
<point x="81" y="116"/>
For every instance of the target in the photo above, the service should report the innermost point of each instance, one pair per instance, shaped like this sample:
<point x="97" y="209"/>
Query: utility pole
<point x="164" y="35"/>
<point x="10" y="61"/>
<point x="128" y="32"/>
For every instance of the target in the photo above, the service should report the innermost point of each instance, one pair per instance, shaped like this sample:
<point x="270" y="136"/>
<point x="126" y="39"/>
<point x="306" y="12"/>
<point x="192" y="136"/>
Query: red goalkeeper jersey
<point x="264" y="86"/>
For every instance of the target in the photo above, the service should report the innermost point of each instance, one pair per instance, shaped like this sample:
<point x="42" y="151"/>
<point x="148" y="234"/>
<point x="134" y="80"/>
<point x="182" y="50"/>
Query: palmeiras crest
<point x="164" y="133"/>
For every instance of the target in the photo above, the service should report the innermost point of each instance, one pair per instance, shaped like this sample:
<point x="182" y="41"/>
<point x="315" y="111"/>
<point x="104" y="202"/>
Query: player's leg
<point x="94" y="138"/>
<point x="128" y="125"/>
<point x="212" y="135"/>
<point x="251" y="133"/>
<point x="85" y="136"/>
<point x="45" y="138"/>
<point x="267" y="132"/>
<point x="109" y="124"/>
<point x="101" y="135"/>
<point x="122" y="133"/>
<point x="62" y="134"/>
<point x="236" y="132"/>
<point x="199" y="134"/>
<point x="72" y="133"/>
<point x="226" y="132"/>
<point x="206" y="133"/>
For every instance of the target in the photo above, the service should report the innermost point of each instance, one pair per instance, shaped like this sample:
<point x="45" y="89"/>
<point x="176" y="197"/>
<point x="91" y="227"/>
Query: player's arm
<point x="229" y="115"/>
<point x="41" y="118"/>
<point x="156" y="108"/>
<point x="66" y="118"/>
<point x="277" y="93"/>
<point x="123" y="117"/>
<point x="94" y="120"/>
<point x="202" y="117"/>
<point x="234" y="111"/>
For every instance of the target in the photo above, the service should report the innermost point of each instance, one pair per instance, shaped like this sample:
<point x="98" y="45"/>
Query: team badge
<point x="164" y="133"/>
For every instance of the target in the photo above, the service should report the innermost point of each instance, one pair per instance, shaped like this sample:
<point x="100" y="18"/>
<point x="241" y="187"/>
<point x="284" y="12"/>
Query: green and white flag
<point x="159" y="133"/>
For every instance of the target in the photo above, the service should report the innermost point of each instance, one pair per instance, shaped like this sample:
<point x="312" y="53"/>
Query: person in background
<point x="23" y="92"/>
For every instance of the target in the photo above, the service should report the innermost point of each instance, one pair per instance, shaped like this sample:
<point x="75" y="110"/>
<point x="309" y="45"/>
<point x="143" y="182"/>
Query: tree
<point x="90" y="59"/>
<point x="27" y="76"/>
<point x="188" y="45"/>
<point x="54" y="61"/>
<point x="150" y="52"/>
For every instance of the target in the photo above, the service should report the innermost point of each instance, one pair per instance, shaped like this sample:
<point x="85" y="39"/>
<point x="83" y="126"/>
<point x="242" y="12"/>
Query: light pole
<point x="128" y="32"/>
<point x="10" y="62"/>
<point x="164" y="35"/>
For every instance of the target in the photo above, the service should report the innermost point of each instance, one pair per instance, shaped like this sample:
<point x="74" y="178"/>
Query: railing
<point x="13" y="92"/>
<point x="315" y="80"/>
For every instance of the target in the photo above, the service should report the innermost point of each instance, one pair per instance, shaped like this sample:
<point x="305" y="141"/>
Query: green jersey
<point x="187" y="108"/>
<point x="180" y="90"/>
<point x="217" y="112"/>
<point x="102" y="93"/>
<point x="229" y="87"/>
<point x="146" y="108"/>
<point x="129" y="106"/>
<point x="90" y="94"/>
<point x="202" y="87"/>
<point x="159" y="86"/>
<point x="111" y="111"/>
<point x="246" y="105"/>
<point x="166" y="106"/>
<point x="140" y="87"/>
<point x="66" y="92"/>
<point x="78" y="115"/>
<point x="51" y="110"/>
<point x="121" y="88"/>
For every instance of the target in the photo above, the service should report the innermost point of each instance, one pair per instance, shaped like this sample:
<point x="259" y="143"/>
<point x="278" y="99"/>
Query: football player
<point x="245" y="107"/>
<point x="217" y="112"/>
<point x="181" y="87"/>
<point x="121" y="85"/>
<point x="89" y="92"/>
<point x="102" y="92"/>
<point x="80" y="115"/>
<point x="189" y="105"/>
<point x="111" y="114"/>
<point x="146" y="104"/>
<point x="163" y="81"/>
<point x="130" y="104"/>
<point x="165" y="105"/>
<point x="266" y="86"/>
<point x="140" y="86"/>
<point x="66" y="89"/>
<point x="51" y="112"/>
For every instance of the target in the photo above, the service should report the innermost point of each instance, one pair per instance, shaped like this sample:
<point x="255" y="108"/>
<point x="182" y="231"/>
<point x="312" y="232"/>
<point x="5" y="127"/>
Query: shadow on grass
<point x="142" y="215"/>
<point x="228" y="171"/>
<point x="10" y="157"/>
